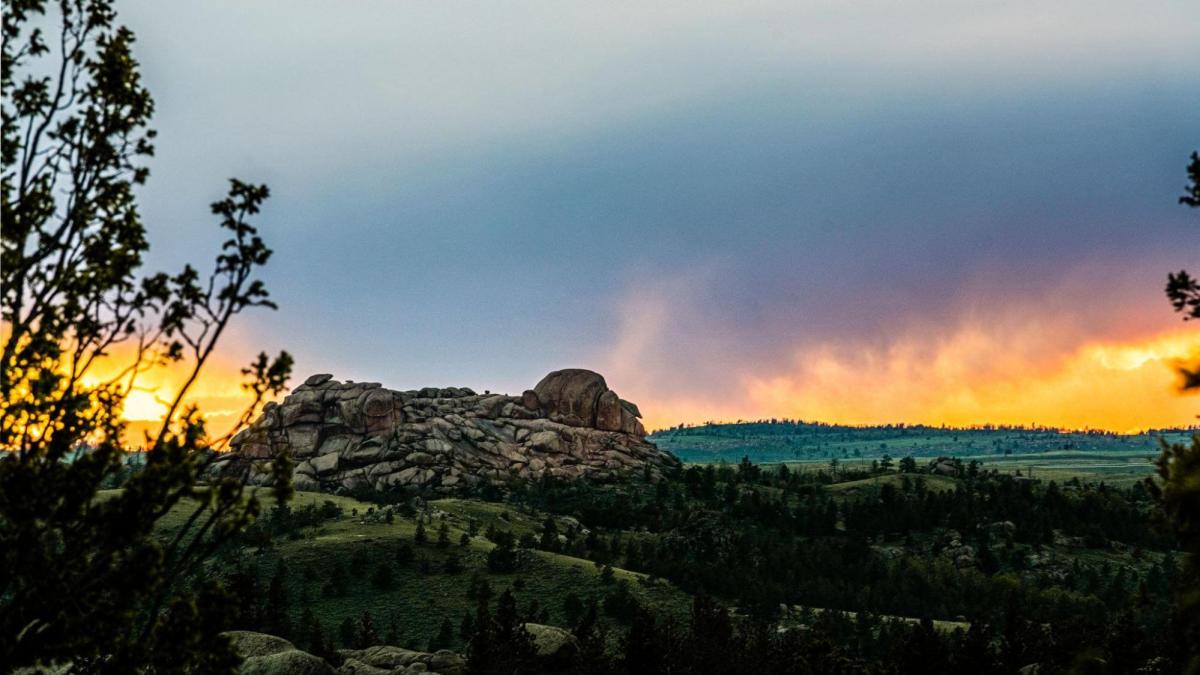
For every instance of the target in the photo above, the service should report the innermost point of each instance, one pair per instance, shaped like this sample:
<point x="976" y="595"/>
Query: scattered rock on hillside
<point x="952" y="547"/>
<point x="555" y="646"/>
<point x="451" y="440"/>
<point x="395" y="660"/>
<point x="269" y="655"/>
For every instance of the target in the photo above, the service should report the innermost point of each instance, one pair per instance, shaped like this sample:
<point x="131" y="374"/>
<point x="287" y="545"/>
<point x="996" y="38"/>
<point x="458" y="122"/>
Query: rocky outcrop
<point x="555" y="649"/>
<point x="358" y="435"/>
<point x="264" y="654"/>
<point x="580" y="398"/>
<point x="269" y="655"/>
<point x="394" y="660"/>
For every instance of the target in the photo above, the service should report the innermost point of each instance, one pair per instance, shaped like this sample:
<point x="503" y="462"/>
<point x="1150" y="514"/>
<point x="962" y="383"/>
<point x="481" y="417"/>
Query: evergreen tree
<point x="366" y="635"/>
<point x="645" y="648"/>
<point x="549" y="538"/>
<point x="572" y="608"/>
<point x="277" y="615"/>
<point x="444" y="638"/>
<point x="482" y="650"/>
<point x="315" y="641"/>
<point x="517" y="650"/>
<point x="404" y="554"/>
<point x="710" y="636"/>
<point x="347" y="633"/>
<point x="593" y="639"/>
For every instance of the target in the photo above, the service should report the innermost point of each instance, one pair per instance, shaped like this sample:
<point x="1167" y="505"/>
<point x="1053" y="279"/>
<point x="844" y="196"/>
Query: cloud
<point x="973" y="376"/>
<point x="1049" y="359"/>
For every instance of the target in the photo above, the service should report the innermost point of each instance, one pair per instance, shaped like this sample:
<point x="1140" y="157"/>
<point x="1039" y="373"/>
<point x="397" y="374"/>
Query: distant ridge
<point x="787" y="440"/>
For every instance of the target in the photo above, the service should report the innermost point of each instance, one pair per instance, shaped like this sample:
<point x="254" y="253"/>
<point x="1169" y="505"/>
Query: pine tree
<point x="466" y="627"/>
<point x="277" y="615"/>
<point x="366" y="636"/>
<point x="420" y="537"/>
<point x="315" y="640"/>
<point x="644" y="648"/>
<point x="404" y="553"/>
<point x="549" y="539"/>
<point x="572" y="608"/>
<point x="347" y="633"/>
<point x="516" y="643"/>
<point x="592" y="642"/>
<point x="393" y="633"/>
<point x="444" y="638"/>
<point x="481" y="648"/>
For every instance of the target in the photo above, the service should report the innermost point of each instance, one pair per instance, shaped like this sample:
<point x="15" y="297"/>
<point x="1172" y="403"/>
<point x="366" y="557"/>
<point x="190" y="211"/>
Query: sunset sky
<point x="947" y="212"/>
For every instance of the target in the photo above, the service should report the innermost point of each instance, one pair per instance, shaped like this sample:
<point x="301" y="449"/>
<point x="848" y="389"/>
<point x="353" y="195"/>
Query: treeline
<point x="714" y="641"/>
<point x="882" y="563"/>
<point x="762" y="539"/>
<point x="785" y="426"/>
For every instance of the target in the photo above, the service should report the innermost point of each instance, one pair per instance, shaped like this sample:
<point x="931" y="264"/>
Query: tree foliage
<point x="86" y="579"/>
<point x="1183" y="290"/>
<point x="1178" y="492"/>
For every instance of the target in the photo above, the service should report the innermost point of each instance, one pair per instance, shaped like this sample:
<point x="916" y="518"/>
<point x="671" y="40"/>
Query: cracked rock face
<point x="358" y="435"/>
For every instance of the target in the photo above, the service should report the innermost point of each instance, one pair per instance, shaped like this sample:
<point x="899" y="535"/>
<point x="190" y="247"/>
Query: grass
<point x="934" y="483"/>
<point x="788" y="442"/>
<point x="417" y="602"/>
<point x="1118" y="467"/>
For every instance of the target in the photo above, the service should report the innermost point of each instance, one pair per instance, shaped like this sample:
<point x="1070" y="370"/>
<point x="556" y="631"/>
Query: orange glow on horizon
<point x="965" y="378"/>
<point x="217" y="392"/>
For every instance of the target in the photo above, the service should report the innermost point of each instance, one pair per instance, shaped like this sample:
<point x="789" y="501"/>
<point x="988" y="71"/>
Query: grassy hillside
<point x="872" y="544"/>
<point x="424" y="591"/>
<point x="1050" y="453"/>
<point x="934" y="483"/>
<point x="786" y="441"/>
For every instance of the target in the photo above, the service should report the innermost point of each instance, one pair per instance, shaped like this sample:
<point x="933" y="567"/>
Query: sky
<point x="955" y="212"/>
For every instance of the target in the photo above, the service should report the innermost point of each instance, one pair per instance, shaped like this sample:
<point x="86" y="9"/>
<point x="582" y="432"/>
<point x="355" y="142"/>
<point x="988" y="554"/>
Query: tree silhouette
<point x="1183" y="290"/>
<point x="1178" y="489"/>
<point x="85" y="579"/>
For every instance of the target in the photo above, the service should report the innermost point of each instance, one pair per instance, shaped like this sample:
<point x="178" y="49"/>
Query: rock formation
<point x="264" y="654"/>
<point x="358" y="435"/>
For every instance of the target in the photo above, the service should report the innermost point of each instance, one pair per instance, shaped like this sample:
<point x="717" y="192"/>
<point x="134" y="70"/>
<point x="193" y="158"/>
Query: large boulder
<point x="571" y="396"/>
<point x="556" y="647"/>
<point x="290" y="662"/>
<point x="250" y="644"/>
<point x="270" y="655"/>
<point x="608" y="411"/>
<point x="396" y="659"/>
